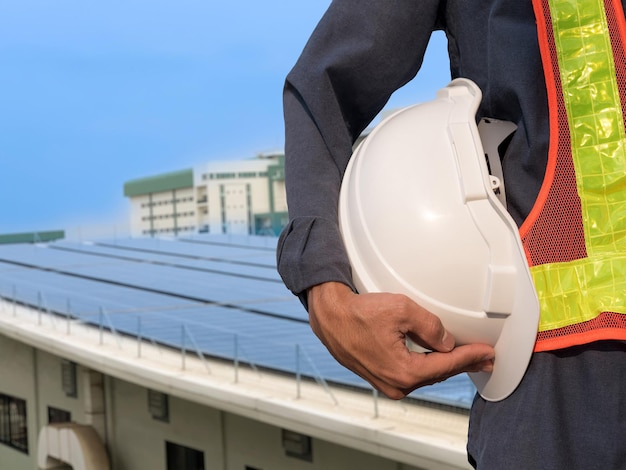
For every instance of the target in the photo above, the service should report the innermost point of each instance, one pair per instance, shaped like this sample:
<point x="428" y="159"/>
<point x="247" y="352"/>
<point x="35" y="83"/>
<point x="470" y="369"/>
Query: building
<point x="163" y="204"/>
<point x="237" y="197"/>
<point x="189" y="353"/>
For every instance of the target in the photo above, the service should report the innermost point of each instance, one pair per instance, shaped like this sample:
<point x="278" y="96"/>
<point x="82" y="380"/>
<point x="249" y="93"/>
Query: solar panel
<point x="221" y="294"/>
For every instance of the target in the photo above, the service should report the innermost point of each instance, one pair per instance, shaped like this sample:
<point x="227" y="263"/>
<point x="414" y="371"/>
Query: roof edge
<point x="159" y="183"/>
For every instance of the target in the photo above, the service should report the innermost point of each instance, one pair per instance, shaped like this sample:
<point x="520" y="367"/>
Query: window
<point x="68" y="379"/>
<point x="183" y="458"/>
<point x="158" y="405"/>
<point x="297" y="445"/>
<point x="55" y="415"/>
<point x="13" y="424"/>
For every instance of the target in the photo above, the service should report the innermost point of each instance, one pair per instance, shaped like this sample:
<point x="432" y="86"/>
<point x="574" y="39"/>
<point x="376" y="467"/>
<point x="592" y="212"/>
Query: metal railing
<point x="155" y="326"/>
<point x="104" y="322"/>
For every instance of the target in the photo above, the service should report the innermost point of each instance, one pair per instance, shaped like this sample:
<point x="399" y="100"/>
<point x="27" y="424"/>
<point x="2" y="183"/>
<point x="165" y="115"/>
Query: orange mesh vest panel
<point x="575" y="236"/>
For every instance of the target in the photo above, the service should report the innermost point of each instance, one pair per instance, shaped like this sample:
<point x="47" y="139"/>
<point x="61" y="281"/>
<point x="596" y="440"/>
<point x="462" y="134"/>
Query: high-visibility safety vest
<point x="575" y="236"/>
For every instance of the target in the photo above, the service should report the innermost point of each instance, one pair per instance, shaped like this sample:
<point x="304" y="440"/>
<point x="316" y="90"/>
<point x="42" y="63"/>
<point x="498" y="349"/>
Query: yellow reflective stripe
<point x="580" y="290"/>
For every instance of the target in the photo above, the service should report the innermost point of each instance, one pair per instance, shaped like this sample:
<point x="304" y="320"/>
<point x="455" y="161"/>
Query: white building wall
<point x="164" y="213"/>
<point x="138" y="214"/>
<point x="260" y="194"/>
<point x="235" y="192"/>
<point x="140" y="439"/>
<point x="235" y="207"/>
<point x="50" y="387"/>
<point x="35" y="376"/>
<point x="18" y="379"/>
<point x="172" y="212"/>
<point x="185" y="210"/>
<point x="135" y="440"/>
<point x="254" y="444"/>
<point x="280" y="196"/>
<point x="214" y="205"/>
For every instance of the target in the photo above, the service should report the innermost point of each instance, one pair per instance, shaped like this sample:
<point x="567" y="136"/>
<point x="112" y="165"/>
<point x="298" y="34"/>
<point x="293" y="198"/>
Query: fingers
<point x="414" y="321"/>
<point x="367" y="334"/>
<point x="435" y="367"/>
<point x="414" y="370"/>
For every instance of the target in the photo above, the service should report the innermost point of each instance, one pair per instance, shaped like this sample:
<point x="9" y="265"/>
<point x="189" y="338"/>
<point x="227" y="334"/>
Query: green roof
<point x="159" y="183"/>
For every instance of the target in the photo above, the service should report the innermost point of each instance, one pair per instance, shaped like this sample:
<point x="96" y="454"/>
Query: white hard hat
<point x="419" y="216"/>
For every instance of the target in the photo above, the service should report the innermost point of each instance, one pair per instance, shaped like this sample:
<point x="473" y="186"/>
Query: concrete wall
<point x="258" y="445"/>
<point x="236" y="199"/>
<point x="164" y="213"/>
<point x="139" y="440"/>
<point x="135" y="440"/>
<point x="50" y="389"/>
<point x="229" y="442"/>
<point x="18" y="379"/>
<point x="36" y="377"/>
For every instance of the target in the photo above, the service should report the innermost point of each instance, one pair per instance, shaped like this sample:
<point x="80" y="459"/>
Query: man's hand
<point x="366" y="333"/>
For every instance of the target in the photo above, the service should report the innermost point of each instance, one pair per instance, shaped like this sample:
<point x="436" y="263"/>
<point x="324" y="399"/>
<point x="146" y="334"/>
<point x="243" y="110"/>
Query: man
<point x="556" y="68"/>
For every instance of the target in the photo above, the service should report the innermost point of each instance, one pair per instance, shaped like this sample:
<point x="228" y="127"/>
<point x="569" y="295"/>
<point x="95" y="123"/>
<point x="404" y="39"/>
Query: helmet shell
<point x="419" y="216"/>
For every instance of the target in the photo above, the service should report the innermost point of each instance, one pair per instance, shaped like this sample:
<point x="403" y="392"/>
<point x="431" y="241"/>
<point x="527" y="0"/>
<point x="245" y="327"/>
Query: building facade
<point x="243" y="197"/>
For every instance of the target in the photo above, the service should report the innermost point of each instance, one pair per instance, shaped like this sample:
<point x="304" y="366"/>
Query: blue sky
<point x="94" y="93"/>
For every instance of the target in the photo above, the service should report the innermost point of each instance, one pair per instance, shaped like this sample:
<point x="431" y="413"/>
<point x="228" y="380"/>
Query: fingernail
<point x="447" y="341"/>
<point x="486" y="366"/>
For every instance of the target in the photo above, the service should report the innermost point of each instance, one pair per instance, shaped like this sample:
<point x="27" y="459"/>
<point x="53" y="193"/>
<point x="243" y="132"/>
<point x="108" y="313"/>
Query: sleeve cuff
<point x="310" y="252"/>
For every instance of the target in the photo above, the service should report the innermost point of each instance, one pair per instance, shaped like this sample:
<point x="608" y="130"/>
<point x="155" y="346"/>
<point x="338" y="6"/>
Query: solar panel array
<point x="221" y="293"/>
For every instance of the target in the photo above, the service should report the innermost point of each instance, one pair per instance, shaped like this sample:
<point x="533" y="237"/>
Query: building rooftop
<point x="157" y="183"/>
<point x="218" y="295"/>
<point x="207" y="319"/>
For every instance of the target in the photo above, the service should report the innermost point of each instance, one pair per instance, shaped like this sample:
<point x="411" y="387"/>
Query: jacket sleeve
<point x="358" y="55"/>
